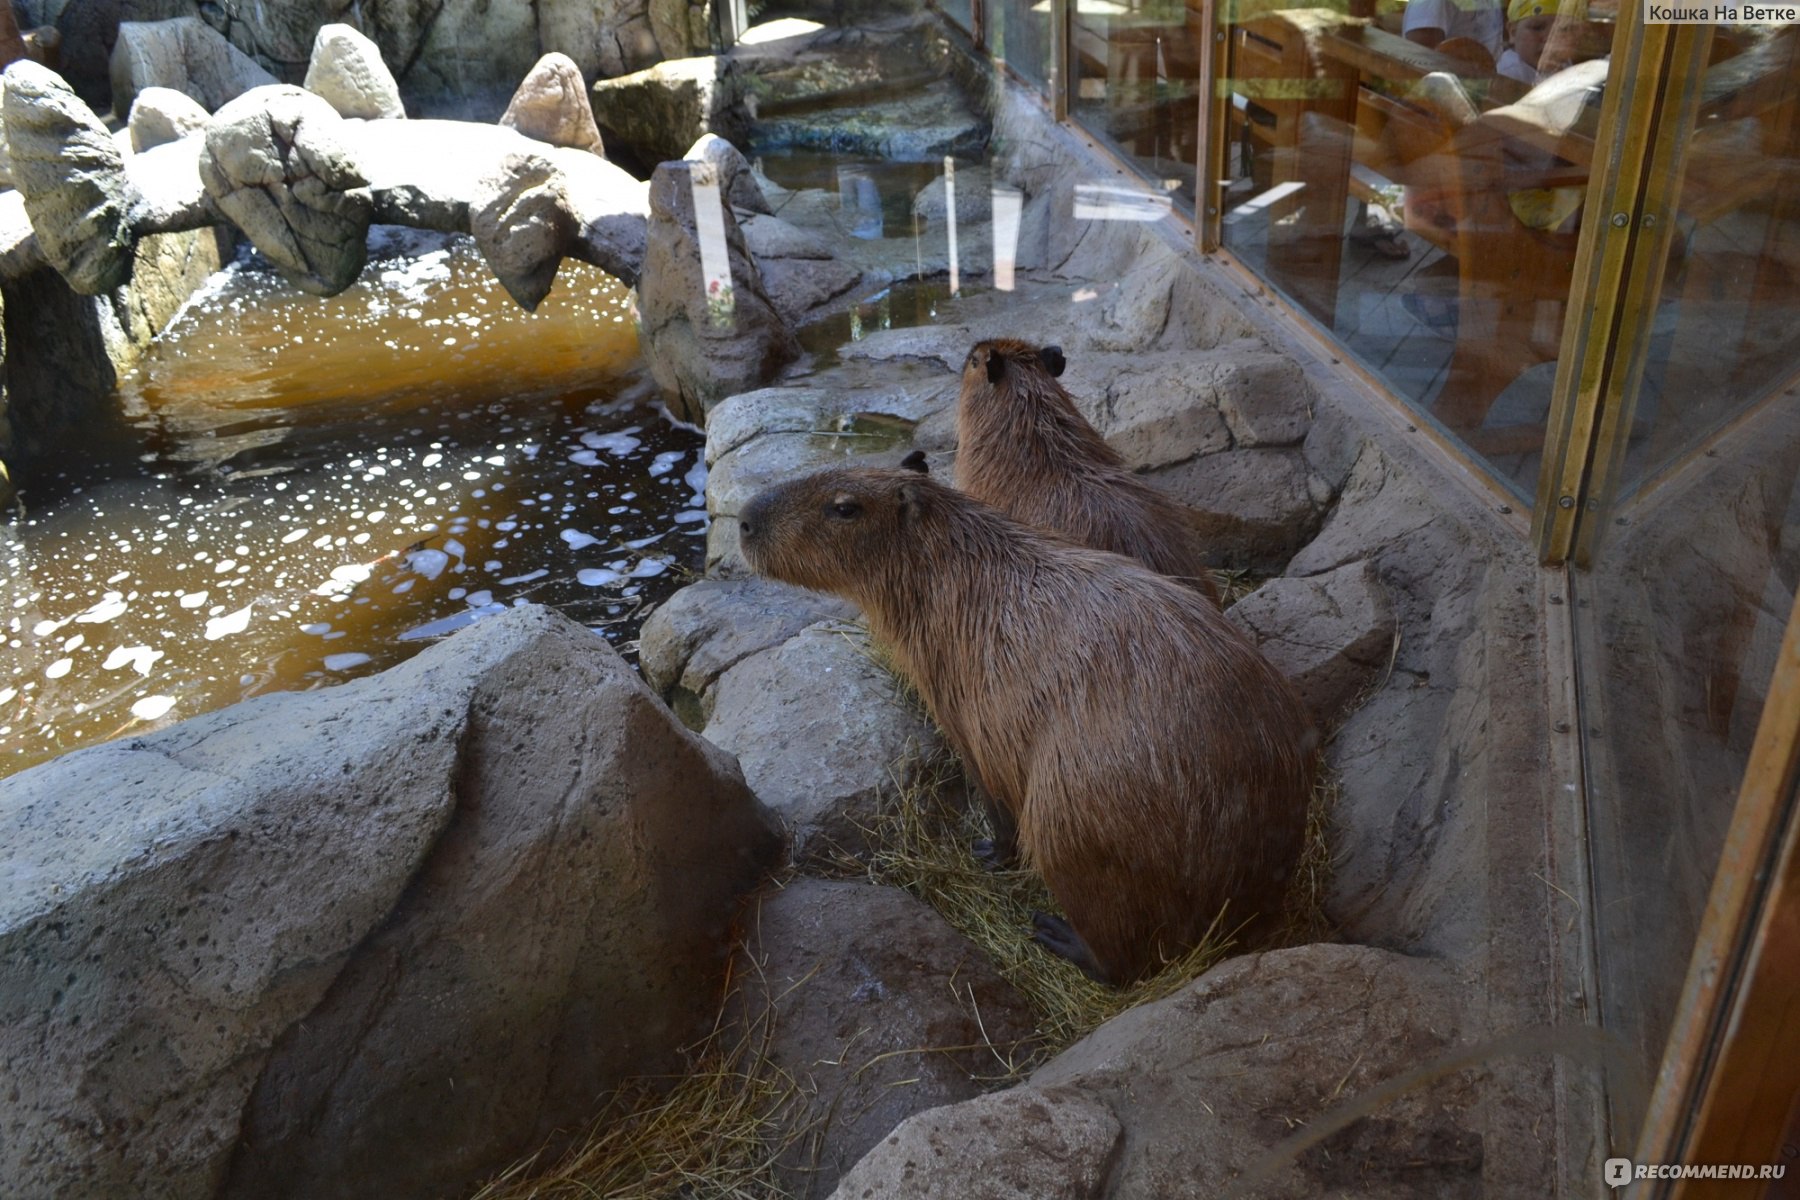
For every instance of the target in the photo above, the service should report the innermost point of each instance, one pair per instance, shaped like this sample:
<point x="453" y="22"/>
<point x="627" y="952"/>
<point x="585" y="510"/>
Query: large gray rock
<point x="709" y="627"/>
<point x="1255" y="508"/>
<point x="185" y="54"/>
<point x="523" y="222"/>
<point x="162" y="115"/>
<point x="822" y="732"/>
<point x="850" y="980"/>
<point x="71" y="174"/>
<point x="659" y="112"/>
<point x="800" y="271"/>
<point x="276" y="164"/>
<point x="1331" y="634"/>
<point x="705" y="340"/>
<point x="347" y="72"/>
<point x="737" y="178"/>
<point x="552" y="106"/>
<point x="374" y="940"/>
<point x="1206" y="1086"/>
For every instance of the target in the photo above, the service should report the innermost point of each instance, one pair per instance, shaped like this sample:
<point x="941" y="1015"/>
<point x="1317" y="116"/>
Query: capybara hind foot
<point x="1059" y="937"/>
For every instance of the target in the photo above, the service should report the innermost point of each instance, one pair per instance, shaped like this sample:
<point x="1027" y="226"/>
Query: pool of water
<point x="298" y="491"/>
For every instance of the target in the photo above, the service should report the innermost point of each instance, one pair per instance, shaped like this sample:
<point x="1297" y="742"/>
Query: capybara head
<point x="835" y="529"/>
<point x="993" y="359"/>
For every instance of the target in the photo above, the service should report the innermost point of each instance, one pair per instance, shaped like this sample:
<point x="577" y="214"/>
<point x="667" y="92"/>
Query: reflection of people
<point x="1433" y="22"/>
<point x="1528" y="25"/>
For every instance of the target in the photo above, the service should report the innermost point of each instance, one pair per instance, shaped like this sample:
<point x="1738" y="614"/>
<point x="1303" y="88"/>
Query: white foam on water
<point x="138" y="658"/>
<point x="152" y="707"/>
<point x="578" y="540"/>
<point x="343" y="662"/>
<point x="109" y="607"/>
<point x="230" y="623"/>
<point x="597" y="577"/>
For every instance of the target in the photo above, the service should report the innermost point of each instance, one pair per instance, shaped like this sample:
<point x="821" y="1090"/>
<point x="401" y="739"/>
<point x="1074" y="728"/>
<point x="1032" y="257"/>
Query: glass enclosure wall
<point x="1019" y="34"/>
<point x="1419" y="191"/>
<point x="1136" y="65"/>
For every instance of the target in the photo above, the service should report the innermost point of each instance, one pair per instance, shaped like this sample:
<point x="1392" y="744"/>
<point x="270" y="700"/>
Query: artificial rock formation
<point x="706" y="338"/>
<point x="185" y="54"/>
<point x="736" y="180"/>
<point x="552" y="106"/>
<point x="346" y="70"/>
<point x="375" y="940"/>
<point x="162" y="115"/>
<point x="659" y="112"/>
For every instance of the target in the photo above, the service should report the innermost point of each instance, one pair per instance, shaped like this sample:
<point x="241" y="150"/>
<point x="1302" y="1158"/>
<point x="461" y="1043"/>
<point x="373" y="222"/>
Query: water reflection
<point x="300" y="491"/>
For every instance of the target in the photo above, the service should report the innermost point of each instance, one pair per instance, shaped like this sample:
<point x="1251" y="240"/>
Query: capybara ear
<point x="916" y="462"/>
<point x="996" y="366"/>
<point x="1054" y="361"/>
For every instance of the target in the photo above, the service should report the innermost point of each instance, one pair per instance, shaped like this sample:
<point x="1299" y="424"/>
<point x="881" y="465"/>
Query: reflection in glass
<point x="1696" y="555"/>
<point x="1136" y="66"/>
<point x="1019" y="34"/>
<point x="1422" y="196"/>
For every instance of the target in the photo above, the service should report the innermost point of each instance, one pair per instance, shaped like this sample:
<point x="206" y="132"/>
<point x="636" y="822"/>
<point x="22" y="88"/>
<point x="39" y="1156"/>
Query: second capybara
<point x="1154" y="766"/>
<point x="1023" y="447"/>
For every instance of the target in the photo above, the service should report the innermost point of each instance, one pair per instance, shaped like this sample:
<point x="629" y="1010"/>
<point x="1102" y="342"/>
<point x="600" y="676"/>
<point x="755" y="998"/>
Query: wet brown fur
<point x="1157" y="766"/>
<point x="1023" y="447"/>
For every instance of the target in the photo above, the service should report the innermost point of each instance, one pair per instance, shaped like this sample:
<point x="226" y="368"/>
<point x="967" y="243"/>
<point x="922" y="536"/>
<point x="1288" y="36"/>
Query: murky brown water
<point x="300" y="491"/>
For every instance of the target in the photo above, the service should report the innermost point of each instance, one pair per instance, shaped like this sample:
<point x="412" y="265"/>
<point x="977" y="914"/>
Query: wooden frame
<point x="1724" y="1090"/>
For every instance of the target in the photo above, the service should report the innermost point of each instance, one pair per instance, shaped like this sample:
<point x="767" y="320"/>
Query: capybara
<point x="1023" y="447"/>
<point x="1152" y="762"/>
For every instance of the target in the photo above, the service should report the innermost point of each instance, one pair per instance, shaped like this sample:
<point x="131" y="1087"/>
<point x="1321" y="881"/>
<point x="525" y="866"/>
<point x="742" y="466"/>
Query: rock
<point x="771" y="237"/>
<point x="1331" y="634"/>
<point x="347" y="72"/>
<point x="738" y="180"/>
<point x="1157" y="413"/>
<point x="708" y="326"/>
<point x="374" y="940"/>
<point x="974" y="197"/>
<point x="523" y="224"/>
<point x="917" y="126"/>
<point x="71" y="174"/>
<point x="1205" y="1085"/>
<point x="6" y="179"/>
<point x="552" y="106"/>
<point x="185" y="54"/>
<point x="779" y="710"/>
<point x="1263" y="396"/>
<point x="1255" y="508"/>
<point x="620" y="36"/>
<point x="275" y="164"/>
<point x="659" y="112"/>
<point x="1023" y="1144"/>
<point x="709" y="627"/>
<point x="850" y="980"/>
<point x="799" y="270"/>
<point x="162" y="115"/>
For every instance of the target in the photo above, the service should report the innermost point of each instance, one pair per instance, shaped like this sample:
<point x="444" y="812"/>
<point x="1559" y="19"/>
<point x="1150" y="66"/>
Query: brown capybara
<point x="1153" y="765"/>
<point x="1023" y="447"/>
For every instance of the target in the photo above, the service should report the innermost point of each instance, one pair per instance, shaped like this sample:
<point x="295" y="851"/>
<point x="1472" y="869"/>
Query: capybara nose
<point x="746" y="526"/>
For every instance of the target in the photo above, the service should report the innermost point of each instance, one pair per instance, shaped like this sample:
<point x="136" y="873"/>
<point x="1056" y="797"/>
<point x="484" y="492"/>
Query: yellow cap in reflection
<point x="1519" y="10"/>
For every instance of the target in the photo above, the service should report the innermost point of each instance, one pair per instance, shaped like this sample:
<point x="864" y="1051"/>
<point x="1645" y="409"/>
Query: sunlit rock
<point x="374" y="940"/>
<point x="185" y="54"/>
<point x="662" y="111"/>
<point x="71" y="175"/>
<point x="709" y="328"/>
<point x="347" y="71"/>
<point x="552" y="106"/>
<point x="160" y="115"/>
<point x="275" y="164"/>
<point x="736" y="178"/>
<point x="521" y="219"/>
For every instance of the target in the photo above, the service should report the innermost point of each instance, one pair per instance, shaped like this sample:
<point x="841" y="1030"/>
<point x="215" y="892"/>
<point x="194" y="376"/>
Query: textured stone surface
<point x="185" y="54"/>
<point x="704" y="341"/>
<point x="1023" y="1144"/>
<point x="878" y="1009"/>
<point x="552" y="106"/>
<point x="71" y="174"/>
<point x="737" y="180"/>
<point x="346" y="71"/>
<point x="276" y="164"/>
<point x="974" y="197"/>
<point x="523" y="223"/>
<point x="780" y="710"/>
<point x="659" y="112"/>
<point x="161" y="115"/>
<point x="1255" y="508"/>
<point x="367" y="941"/>
<point x="709" y="627"/>
<point x="1206" y="1085"/>
<point x="1331" y="634"/>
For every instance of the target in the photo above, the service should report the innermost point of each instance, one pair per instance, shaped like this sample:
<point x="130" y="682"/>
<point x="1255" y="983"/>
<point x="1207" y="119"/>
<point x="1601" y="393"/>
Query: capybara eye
<point x="844" y="508"/>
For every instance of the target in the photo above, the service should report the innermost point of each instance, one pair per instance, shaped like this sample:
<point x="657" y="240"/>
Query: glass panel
<point x="1409" y="177"/>
<point x="1137" y="63"/>
<point x="1019" y="34"/>
<point x="960" y="11"/>
<point x="1679" y="620"/>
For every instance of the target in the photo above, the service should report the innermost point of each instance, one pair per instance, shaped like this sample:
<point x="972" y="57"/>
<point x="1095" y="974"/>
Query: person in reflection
<point x="1431" y="23"/>
<point x="1528" y="26"/>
